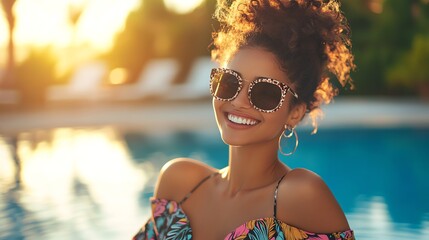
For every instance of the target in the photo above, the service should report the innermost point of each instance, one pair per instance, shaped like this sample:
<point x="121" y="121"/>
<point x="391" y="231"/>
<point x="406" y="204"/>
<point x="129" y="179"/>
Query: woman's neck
<point x="252" y="167"/>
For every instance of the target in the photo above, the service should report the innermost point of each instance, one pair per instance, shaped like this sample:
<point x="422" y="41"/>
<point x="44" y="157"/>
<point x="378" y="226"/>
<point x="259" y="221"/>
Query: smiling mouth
<point x="241" y="120"/>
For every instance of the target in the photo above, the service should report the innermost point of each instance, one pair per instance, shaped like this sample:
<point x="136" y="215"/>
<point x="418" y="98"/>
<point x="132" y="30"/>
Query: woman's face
<point x="239" y="123"/>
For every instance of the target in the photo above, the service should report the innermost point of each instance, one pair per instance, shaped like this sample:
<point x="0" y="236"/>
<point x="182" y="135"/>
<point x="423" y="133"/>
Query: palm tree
<point x="10" y="65"/>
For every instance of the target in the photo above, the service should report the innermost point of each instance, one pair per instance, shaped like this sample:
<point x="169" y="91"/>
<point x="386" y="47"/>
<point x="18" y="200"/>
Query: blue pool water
<point x="95" y="183"/>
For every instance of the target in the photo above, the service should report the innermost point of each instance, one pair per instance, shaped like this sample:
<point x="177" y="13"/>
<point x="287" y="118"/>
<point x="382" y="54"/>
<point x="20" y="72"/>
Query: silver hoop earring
<point x="288" y="135"/>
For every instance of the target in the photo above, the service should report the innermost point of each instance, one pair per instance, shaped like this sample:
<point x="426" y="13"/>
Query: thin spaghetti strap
<point x="197" y="186"/>
<point x="275" y="196"/>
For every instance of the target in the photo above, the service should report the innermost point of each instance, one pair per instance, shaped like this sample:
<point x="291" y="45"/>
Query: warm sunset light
<point x="47" y="22"/>
<point x="182" y="6"/>
<point x="67" y="163"/>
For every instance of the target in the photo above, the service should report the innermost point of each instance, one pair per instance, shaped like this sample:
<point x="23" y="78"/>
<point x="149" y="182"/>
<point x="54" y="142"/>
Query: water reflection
<point x="76" y="184"/>
<point x="10" y="172"/>
<point x="372" y="220"/>
<point x="73" y="183"/>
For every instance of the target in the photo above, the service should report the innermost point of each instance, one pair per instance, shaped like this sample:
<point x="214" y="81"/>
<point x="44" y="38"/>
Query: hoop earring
<point x="287" y="135"/>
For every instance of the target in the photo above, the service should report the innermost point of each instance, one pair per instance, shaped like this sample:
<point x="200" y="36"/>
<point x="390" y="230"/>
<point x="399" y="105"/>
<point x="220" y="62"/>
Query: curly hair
<point x="310" y="39"/>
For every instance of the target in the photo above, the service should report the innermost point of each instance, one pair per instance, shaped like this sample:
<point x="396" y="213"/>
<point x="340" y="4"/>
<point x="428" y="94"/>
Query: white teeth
<point x="241" y="120"/>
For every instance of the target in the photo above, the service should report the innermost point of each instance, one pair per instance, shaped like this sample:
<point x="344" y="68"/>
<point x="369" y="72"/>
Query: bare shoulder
<point x="179" y="176"/>
<point x="305" y="201"/>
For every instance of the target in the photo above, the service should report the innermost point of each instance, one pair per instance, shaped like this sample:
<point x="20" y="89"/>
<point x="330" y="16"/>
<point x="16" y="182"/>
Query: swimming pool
<point x="94" y="183"/>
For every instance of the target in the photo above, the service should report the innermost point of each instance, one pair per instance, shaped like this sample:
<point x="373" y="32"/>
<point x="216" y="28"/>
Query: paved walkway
<point x="199" y="115"/>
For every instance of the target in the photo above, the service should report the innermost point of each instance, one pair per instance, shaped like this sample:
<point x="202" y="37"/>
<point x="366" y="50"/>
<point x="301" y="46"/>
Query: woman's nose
<point x="242" y="99"/>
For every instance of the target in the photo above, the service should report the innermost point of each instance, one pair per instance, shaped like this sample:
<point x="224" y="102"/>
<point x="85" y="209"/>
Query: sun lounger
<point x="85" y="84"/>
<point x="154" y="81"/>
<point x="197" y="84"/>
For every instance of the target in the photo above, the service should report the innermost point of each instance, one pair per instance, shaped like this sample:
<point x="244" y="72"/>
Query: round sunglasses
<point x="265" y="94"/>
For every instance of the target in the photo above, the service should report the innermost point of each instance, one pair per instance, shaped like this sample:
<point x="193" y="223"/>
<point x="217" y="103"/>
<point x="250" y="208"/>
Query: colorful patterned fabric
<point x="170" y="222"/>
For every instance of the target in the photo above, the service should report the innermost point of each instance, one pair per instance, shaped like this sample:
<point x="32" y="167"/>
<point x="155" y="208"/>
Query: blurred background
<point x="96" y="95"/>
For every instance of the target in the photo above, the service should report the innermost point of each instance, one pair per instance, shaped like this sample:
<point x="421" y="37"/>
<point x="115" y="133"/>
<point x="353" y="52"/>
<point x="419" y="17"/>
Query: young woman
<point x="276" y="56"/>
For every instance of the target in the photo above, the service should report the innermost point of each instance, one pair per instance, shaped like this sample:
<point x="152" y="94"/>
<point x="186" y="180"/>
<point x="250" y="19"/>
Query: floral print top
<point x="170" y="222"/>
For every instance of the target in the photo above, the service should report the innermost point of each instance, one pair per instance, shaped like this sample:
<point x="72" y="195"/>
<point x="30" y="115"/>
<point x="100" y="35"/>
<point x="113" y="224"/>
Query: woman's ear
<point x="296" y="114"/>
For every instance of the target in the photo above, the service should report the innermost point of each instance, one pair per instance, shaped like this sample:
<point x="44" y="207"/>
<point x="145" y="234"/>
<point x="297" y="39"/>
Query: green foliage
<point x="381" y="40"/>
<point x="412" y="69"/>
<point x="384" y="41"/>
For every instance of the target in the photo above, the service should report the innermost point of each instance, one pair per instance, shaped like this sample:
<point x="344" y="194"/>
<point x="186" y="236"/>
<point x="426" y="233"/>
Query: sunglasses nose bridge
<point x="242" y="98"/>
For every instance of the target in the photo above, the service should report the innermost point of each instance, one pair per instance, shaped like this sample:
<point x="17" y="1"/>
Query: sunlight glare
<point x="63" y="165"/>
<point x="46" y="22"/>
<point x="118" y="76"/>
<point x="182" y="6"/>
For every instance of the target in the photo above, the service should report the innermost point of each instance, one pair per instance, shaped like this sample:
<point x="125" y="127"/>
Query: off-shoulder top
<point x="169" y="221"/>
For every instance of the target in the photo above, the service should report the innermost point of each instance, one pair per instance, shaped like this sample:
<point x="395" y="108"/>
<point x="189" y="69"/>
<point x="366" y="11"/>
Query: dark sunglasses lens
<point x="224" y="85"/>
<point x="265" y="96"/>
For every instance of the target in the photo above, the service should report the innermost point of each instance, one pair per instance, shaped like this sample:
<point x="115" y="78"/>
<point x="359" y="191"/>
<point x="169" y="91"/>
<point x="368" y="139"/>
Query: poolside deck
<point x="168" y="115"/>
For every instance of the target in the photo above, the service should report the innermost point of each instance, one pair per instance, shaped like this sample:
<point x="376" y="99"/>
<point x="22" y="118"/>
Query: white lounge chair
<point x="197" y="84"/>
<point x="84" y="85"/>
<point x="154" y="81"/>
